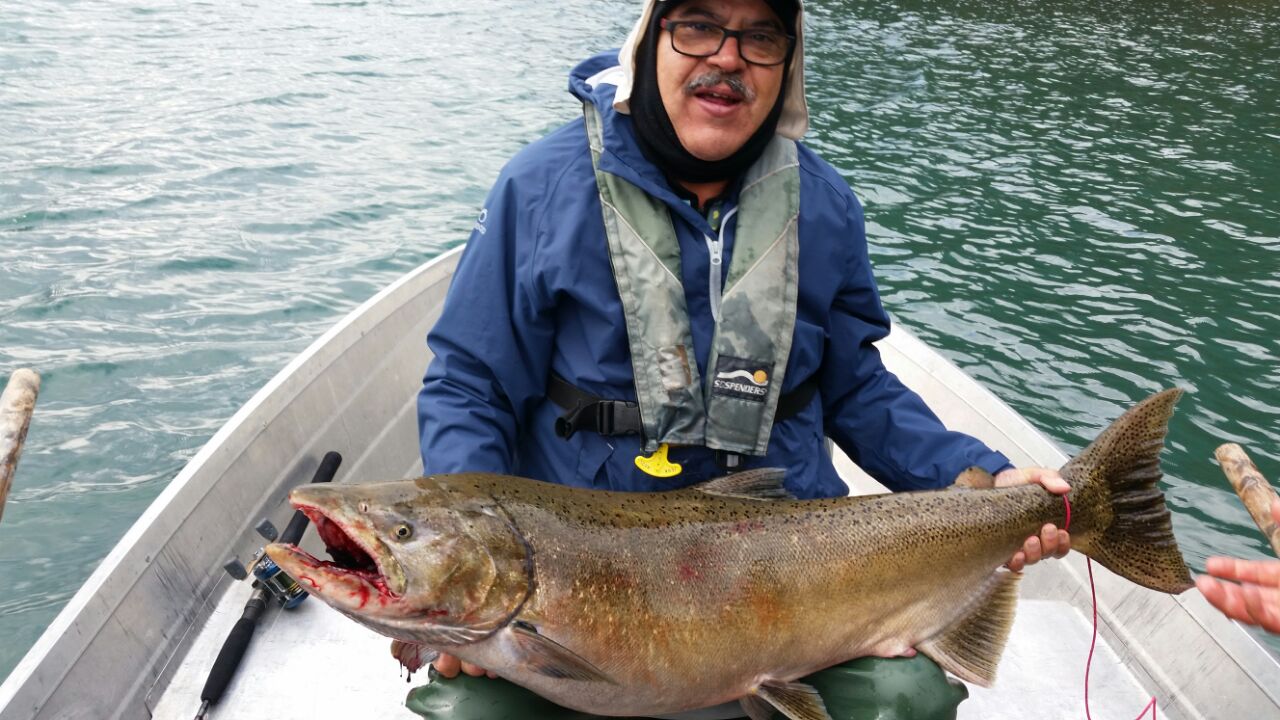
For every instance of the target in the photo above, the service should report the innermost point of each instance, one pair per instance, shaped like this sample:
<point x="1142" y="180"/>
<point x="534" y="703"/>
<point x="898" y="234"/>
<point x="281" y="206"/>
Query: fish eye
<point x="403" y="532"/>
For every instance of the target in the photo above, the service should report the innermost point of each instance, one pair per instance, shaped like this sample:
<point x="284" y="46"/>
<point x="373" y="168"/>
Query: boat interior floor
<point x="311" y="662"/>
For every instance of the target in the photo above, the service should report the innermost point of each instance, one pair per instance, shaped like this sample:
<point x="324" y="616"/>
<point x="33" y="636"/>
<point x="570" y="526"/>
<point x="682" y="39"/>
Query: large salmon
<point x="637" y="604"/>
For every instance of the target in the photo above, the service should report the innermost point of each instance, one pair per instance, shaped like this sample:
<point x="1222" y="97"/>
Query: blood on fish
<point x="307" y="578"/>
<point x="686" y="571"/>
<point x="691" y="562"/>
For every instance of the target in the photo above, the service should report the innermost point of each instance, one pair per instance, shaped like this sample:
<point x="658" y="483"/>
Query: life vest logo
<point x="742" y="379"/>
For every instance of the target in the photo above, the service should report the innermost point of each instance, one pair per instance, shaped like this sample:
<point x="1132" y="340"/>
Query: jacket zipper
<point x="715" y="251"/>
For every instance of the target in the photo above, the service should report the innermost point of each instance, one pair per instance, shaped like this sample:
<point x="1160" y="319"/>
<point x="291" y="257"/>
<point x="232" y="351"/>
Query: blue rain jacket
<point x="534" y="293"/>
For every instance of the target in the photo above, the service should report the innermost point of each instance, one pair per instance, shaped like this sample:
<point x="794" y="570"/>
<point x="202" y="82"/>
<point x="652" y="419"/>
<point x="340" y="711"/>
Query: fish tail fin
<point x="970" y="648"/>
<point x="1114" y="488"/>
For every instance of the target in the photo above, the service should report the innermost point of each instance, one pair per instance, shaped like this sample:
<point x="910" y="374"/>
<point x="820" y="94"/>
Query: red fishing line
<point x="1093" y="643"/>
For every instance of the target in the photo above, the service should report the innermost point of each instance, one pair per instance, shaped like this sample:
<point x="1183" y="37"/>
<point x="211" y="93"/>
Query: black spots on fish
<point x="405" y="507"/>
<point x="947" y="516"/>
<point x="1131" y="531"/>
<point x="1131" y="444"/>
<point x="588" y="510"/>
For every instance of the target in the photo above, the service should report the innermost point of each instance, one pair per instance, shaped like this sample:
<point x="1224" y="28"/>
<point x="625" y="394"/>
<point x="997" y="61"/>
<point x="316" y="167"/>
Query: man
<point x="675" y="233"/>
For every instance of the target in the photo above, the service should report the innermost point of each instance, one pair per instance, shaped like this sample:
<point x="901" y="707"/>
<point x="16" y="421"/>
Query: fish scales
<point x="688" y="594"/>
<point x="638" y="604"/>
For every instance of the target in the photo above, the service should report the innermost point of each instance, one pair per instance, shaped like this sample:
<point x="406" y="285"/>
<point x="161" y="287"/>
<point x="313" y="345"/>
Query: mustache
<point x="716" y="77"/>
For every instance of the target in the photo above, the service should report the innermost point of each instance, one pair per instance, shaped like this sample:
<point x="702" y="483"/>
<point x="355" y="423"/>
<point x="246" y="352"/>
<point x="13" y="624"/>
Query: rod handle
<point x="233" y="649"/>
<point x="324" y="473"/>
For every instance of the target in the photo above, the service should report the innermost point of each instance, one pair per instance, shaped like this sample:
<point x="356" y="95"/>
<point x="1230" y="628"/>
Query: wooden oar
<point x="1252" y="488"/>
<point x="16" y="405"/>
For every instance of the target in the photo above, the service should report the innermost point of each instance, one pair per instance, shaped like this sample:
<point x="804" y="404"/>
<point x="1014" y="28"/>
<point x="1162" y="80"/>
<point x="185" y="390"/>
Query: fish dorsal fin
<point x="970" y="648"/>
<point x="548" y="657"/>
<point x="795" y="700"/>
<point x="760" y="484"/>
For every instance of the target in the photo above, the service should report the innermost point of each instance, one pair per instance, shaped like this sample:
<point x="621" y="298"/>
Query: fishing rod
<point x="269" y="582"/>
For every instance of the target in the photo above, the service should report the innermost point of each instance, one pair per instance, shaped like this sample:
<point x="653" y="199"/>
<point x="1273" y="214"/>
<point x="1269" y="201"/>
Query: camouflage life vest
<point x="733" y="410"/>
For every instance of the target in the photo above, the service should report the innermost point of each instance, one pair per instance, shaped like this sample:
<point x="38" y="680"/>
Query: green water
<point x="1075" y="201"/>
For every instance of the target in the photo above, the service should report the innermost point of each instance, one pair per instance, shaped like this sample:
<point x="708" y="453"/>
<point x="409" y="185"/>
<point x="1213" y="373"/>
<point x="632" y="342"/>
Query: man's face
<point x="714" y="119"/>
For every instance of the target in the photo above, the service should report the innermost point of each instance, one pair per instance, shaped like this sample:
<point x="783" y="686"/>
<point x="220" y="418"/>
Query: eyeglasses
<point x="758" y="46"/>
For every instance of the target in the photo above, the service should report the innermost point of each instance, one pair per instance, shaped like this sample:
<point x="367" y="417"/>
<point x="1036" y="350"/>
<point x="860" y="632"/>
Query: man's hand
<point x="448" y="666"/>
<point x="1051" y="542"/>
<point x="1254" y="597"/>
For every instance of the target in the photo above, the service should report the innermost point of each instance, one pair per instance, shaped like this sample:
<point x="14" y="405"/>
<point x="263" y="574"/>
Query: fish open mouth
<point x="360" y="564"/>
<point x="348" y="555"/>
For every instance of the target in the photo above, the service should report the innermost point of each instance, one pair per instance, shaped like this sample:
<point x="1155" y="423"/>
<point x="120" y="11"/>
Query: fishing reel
<point x="268" y="579"/>
<point x="266" y="574"/>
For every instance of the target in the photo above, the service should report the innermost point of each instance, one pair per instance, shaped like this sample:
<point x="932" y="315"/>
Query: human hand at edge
<point x="449" y="665"/>
<point x="1253" y="594"/>
<point x="1051" y="542"/>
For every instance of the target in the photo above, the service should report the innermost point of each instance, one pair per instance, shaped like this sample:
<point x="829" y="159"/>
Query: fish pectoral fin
<point x="548" y="657"/>
<point x="970" y="648"/>
<point x="760" y="484"/>
<point x="795" y="700"/>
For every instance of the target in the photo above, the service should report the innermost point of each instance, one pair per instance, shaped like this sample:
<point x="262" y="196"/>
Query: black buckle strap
<point x="726" y="460"/>
<point x="584" y="411"/>
<point x="606" y="417"/>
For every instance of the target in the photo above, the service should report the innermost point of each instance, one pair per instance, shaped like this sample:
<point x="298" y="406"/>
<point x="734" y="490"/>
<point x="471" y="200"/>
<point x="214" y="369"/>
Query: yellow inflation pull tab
<point x="657" y="464"/>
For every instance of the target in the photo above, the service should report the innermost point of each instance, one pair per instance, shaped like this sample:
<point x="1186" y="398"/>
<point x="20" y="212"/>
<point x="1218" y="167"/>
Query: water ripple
<point x="1079" y="207"/>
